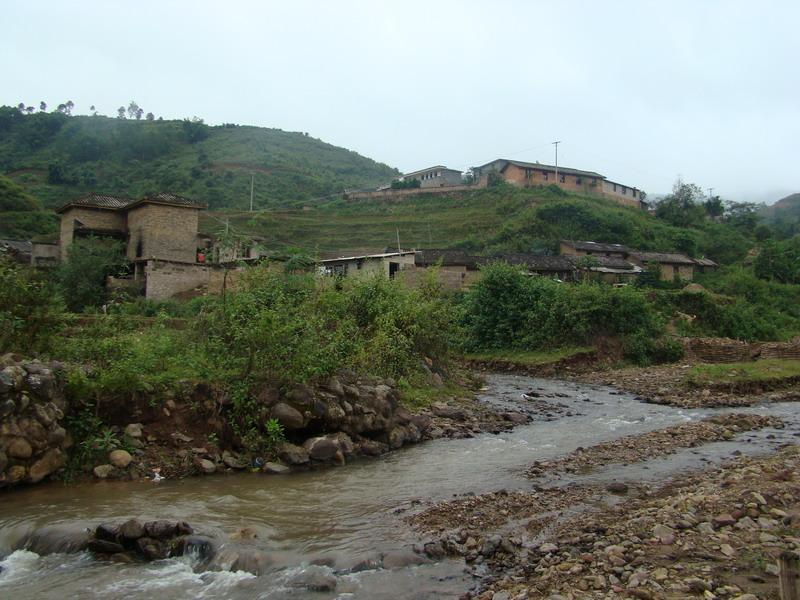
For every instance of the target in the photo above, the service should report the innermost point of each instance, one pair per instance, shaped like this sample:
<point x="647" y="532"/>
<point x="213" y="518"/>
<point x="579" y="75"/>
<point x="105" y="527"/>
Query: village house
<point x="672" y="267"/>
<point x="434" y="177"/>
<point x="525" y="174"/>
<point x="160" y="237"/>
<point x="387" y="263"/>
<point x="570" y="247"/>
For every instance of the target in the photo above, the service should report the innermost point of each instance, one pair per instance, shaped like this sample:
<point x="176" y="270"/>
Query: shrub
<point x="82" y="276"/>
<point x="30" y="311"/>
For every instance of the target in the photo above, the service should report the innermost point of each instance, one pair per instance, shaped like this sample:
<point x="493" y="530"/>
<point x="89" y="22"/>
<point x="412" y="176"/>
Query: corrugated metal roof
<point x="596" y="246"/>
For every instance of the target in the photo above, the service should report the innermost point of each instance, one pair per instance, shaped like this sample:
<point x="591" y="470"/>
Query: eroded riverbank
<point x="325" y="523"/>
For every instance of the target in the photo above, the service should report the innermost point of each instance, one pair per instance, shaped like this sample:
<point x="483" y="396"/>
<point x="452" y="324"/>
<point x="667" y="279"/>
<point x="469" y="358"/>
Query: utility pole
<point x="556" y="145"/>
<point x="398" y="240"/>
<point x="252" y="183"/>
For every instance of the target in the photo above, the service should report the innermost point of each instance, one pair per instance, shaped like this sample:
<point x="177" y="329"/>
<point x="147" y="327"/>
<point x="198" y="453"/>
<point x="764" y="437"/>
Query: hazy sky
<point x="641" y="91"/>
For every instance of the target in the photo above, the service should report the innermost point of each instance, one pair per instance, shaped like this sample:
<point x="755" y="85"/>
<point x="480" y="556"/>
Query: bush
<point x="30" y="310"/>
<point x="82" y="277"/>
<point x="644" y="350"/>
<point x="510" y="309"/>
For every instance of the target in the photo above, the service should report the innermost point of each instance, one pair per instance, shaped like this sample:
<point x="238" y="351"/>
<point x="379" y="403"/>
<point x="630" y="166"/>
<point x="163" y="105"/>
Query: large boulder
<point x="19" y="448"/>
<point x="288" y="416"/>
<point x="321" y="448"/>
<point x="120" y="458"/>
<point x="293" y="455"/>
<point x="50" y="462"/>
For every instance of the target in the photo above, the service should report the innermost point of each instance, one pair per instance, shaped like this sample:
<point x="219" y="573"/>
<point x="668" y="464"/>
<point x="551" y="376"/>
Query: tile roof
<point x="661" y="257"/>
<point x="98" y="201"/>
<point x="167" y="198"/>
<point x="705" y="262"/>
<point x="23" y="247"/>
<point x="448" y="258"/>
<point x="607" y="262"/>
<point x="537" y="262"/>
<point x="543" y="167"/>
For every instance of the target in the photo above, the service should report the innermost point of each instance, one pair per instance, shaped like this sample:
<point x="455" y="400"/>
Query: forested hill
<point x="55" y="156"/>
<point x="784" y="214"/>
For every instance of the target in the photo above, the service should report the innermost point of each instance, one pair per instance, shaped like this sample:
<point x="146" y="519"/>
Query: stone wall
<point x="32" y="406"/>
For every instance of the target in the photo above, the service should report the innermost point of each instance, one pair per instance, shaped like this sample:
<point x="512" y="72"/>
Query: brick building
<point x="160" y="237"/>
<point x="525" y="174"/>
<point x="434" y="177"/>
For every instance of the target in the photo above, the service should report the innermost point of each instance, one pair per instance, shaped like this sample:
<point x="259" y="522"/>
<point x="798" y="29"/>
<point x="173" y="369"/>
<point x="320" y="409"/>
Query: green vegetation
<point x="82" y="277"/>
<point x="531" y="357"/>
<point x="509" y="310"/>
<point x="759" y="371"/>
<point x="54" y="156"/>
<point x="30" y="313"/>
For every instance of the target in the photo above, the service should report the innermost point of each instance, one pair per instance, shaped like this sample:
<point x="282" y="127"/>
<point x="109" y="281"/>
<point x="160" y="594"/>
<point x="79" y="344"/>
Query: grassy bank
<point x="530" y="357"/>
<point x="762" y="371"/>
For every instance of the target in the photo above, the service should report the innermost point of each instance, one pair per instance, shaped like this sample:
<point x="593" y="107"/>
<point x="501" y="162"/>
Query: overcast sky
<point x="641" y="91"/>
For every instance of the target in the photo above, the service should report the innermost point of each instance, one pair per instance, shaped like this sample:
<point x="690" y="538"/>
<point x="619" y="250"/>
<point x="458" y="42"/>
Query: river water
<point x="340" y="516"/>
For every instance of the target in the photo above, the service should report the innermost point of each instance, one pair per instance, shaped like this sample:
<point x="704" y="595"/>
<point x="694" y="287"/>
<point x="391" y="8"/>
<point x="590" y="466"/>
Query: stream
<point x="323" y="522"/>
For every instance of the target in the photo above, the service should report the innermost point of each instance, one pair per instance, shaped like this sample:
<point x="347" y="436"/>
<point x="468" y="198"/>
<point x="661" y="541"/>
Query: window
<point x="545" y="175"/>
<point x="624" y="191"/>
<point x="594" y="180"/>
<point x="578" y="180"/>
<point x="615" y="187"/>
<point x="562" y="179"/>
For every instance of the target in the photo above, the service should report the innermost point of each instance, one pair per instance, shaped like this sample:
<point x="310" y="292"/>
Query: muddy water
<point x="342" y="515"/>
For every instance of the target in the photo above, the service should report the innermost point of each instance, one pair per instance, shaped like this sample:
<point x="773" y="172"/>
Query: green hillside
<point x="501" y="219"/>
<point x="784" y="214"/>
<point x="54" y="157"/>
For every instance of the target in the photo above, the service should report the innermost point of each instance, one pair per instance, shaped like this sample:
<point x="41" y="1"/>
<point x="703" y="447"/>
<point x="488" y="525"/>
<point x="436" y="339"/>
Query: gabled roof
<point x="665" y="258"/>
<point x="167" y="198"/>
<point x="101" y="201"/>
<point x="436" y="168"/>
<point x="105" y="202"/>
<point x="596" y="246"/>
<point x="448" y="258"/>
<point x="542" y="167"/>
<point x="537" y="262"/>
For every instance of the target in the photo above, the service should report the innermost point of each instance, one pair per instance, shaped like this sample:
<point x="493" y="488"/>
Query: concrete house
<point x="525" y="174"/>
<point x="434" y="177"/>
<point x="387" y="263"/>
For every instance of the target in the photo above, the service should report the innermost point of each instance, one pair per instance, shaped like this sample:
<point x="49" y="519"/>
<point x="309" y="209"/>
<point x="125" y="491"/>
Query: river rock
<point x="57" y="436"/>
<point x="55" y="539"/>
<point x="103" y="471"/>
<point x="292" y="454"/>
<point x="7" y="407"/>
<point x="205" y="465"/>
<point x="134" y="430"/>
<point x="286" y="415"/>
<point x="315" y="578"/>
<point x="272" y="468"/>
<point x="50" y="462"/>
<point x="120" y="458"/>
<point x="99" y="546"/>
<point x="321" y="448"/>
<point x="131" y="529"/>
<point x="19" y="448"/>
<point x="403" y="559"/>
<point x="3" y="460"/>
<point x="152" y="549"/>
<point x="231" y="461"/>
<point x="239" y="557"/>
<point x="201" y="546"/>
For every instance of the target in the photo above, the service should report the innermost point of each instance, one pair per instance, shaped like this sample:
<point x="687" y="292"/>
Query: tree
<point x="121" y="112"/>
<point x="68" y="107"/>
<point x="93" y="110"/>
<point x="779" y="261"/>
<point x="139" y="113"/>
<point x="194" y="130"/>
<point x="742" y="215"/>
<point x="43" y="106"/>
<point x="683" y="207"/>
<point x="82" y="277"/>
<point x="30" y="110"/>
<point x="133" y="109"/>
<point x="150" y="117"/>
<point x="21" y="107"/>
<point x="62" y="108"/>
<point x="714" y="206"/>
